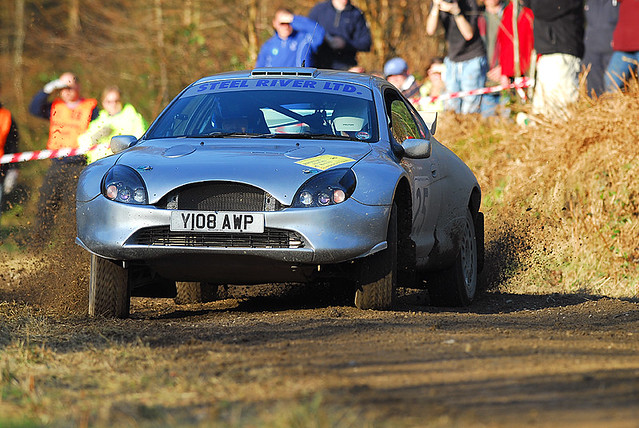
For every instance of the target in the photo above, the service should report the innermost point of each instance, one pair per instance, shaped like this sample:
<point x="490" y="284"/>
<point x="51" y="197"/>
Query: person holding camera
<point x="466" y="63"/>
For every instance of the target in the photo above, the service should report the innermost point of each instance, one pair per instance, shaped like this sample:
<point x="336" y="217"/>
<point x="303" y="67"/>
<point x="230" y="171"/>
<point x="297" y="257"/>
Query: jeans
<point x="598" y="62"/>
<point x="621" y="66"/>
<point x="490" y="104"/>
<point x="464" y="76"/>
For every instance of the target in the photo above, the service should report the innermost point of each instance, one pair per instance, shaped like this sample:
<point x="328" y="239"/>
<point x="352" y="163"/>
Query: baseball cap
<point x="395" y="66"/>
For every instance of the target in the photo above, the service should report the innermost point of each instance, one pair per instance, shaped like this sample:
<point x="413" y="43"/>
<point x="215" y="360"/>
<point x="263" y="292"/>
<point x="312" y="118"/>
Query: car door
<point x="424" y="173"/>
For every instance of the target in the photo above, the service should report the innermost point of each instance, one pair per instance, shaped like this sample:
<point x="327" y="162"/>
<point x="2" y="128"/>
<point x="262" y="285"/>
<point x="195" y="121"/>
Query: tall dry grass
<point x="560" y="196"/>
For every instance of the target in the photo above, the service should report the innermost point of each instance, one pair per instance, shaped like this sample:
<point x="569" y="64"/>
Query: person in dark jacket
<point x="559" y="42"/>
<point x="346" y="34"/>
<point x="601" y="19"/>
<point x="624" y="62"/>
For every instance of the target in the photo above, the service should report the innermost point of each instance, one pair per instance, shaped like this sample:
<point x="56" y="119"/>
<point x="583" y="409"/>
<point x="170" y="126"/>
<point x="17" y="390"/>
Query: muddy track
<point x="508" y="360"/>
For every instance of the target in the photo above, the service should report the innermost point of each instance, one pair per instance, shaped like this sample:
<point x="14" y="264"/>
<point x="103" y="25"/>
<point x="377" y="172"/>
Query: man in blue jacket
<point x="601" y="20"/>
<point x="294" y="43"/>
<point x="346" y="34"/>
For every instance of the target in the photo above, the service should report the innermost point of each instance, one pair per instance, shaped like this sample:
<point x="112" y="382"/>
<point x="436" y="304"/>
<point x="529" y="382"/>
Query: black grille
<point x="271" y="238"/>
<point x="221" y="196"/>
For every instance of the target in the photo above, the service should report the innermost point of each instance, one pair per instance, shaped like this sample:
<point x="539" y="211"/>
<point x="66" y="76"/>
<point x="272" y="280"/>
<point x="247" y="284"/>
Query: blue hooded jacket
<point x="301" y="45"/>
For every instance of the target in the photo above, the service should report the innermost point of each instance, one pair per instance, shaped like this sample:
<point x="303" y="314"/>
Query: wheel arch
<point x="474" y="201"/>
<point x="406" y="252"/>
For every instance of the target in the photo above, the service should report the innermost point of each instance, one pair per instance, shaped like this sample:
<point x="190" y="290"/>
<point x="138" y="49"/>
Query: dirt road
<point x="509" y="360"/>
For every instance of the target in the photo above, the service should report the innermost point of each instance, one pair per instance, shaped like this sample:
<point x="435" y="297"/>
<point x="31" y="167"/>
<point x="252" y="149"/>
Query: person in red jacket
<point x="69" y="115"/>
<point x="506" y="41"/>
<point x="625" y="43"/>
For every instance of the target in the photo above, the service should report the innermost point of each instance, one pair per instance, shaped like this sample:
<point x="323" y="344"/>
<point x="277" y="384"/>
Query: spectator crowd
<point x="489" y="44"/>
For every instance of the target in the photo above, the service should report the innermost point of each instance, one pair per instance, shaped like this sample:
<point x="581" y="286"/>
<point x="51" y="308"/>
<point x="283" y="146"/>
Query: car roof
<point x="363" y="79"/>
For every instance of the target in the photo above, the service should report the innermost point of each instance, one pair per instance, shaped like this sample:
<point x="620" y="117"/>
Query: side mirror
<point x="122" y="142"/>
<point x="415" y="148"/>
<point x="430" y="119"/>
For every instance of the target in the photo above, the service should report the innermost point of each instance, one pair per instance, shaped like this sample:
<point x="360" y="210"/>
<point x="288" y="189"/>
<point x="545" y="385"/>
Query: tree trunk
<point x="163" y="92"/>
<point x="376" y="12"/>
<point x="18" y="50"/>
<point x="251" y="32"/>
<point x="73" y="25"/>
<point x="398" y="23"/>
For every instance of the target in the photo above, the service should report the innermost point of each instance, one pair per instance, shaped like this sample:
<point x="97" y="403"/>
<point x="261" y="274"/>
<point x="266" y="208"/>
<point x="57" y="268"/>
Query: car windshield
<point x="270" y="108"/>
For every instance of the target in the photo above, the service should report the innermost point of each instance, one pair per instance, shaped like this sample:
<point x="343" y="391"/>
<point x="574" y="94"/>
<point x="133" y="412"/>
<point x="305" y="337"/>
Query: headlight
<point x="327" y="188"/>
<point x="123" y="184"/>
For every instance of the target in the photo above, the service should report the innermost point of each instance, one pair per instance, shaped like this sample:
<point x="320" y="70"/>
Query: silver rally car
<point x="282" y="175"/>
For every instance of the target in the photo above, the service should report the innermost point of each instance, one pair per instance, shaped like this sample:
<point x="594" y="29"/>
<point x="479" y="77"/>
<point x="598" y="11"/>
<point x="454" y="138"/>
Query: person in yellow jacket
<point x="115" y="118"/>
<point x="433" y="86"/>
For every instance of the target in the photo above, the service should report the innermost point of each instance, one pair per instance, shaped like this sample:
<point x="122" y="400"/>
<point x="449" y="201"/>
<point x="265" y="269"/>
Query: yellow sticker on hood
<point x="324" y="162"/>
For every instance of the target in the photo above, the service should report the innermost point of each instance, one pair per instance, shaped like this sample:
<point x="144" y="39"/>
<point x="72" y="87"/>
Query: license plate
<point x="217" y="221"/>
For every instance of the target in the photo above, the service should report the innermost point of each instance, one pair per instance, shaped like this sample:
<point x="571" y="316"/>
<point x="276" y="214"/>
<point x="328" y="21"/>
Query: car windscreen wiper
<point x="310" y="136"/>
<point x="224" y="135"/>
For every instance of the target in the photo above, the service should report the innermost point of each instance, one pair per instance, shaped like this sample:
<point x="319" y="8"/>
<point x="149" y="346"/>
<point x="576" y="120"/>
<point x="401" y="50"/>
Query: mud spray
<point x="51" y="272"/>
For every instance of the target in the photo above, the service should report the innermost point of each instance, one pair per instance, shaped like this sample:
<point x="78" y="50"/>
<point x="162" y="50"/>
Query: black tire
<point x="109" y="289"/>
<point x="377" y="286"/>
<point x="479" y="236"/>
<point x="194" y="292"/>
<point x="458" y="285"/>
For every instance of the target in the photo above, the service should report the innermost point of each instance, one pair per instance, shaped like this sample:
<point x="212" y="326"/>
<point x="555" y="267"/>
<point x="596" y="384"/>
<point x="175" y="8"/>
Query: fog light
<point x="139" y="195"/>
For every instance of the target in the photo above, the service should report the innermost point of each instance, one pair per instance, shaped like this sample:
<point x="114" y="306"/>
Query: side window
<point x="424" y="132"/>
<point x="403" y="125"/>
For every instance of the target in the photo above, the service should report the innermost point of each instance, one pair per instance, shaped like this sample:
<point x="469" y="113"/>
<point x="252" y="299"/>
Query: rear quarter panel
<point x="456" y="187"/>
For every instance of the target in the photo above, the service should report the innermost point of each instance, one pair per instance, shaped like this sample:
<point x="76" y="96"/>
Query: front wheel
<point x="457" y="285"/>
<point x="377" y="285"/>
<point x="109" y="289"/>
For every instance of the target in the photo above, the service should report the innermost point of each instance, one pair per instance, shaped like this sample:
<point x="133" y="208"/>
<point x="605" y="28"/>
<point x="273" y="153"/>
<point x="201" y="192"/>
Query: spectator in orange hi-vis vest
<point x="69" y="115"/>
<point x="8" y="144"/>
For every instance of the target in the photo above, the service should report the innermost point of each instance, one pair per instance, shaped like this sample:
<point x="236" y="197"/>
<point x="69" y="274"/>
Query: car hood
<point x="279" y="168"/>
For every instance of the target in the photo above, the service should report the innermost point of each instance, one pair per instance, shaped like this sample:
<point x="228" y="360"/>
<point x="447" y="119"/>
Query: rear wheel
<point x="195" y="292"/>
<point x="377" y="285"/>
<point x="109" y="289"/>
<point x="457" y="285"/>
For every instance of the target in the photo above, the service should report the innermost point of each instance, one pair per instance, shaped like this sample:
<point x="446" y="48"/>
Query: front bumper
<point x="332" y="234"/>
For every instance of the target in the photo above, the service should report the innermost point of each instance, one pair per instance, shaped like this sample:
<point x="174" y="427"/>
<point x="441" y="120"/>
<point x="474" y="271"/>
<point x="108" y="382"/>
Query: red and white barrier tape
<point x="44" y="154"/>
<point x="519" y="84"/>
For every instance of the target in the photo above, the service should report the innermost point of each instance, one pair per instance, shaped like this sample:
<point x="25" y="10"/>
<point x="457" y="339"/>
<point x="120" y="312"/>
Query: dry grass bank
<point x="560" y="196"/>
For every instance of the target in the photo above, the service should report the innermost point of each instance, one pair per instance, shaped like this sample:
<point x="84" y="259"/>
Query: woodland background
<point x="154" y="48"/>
